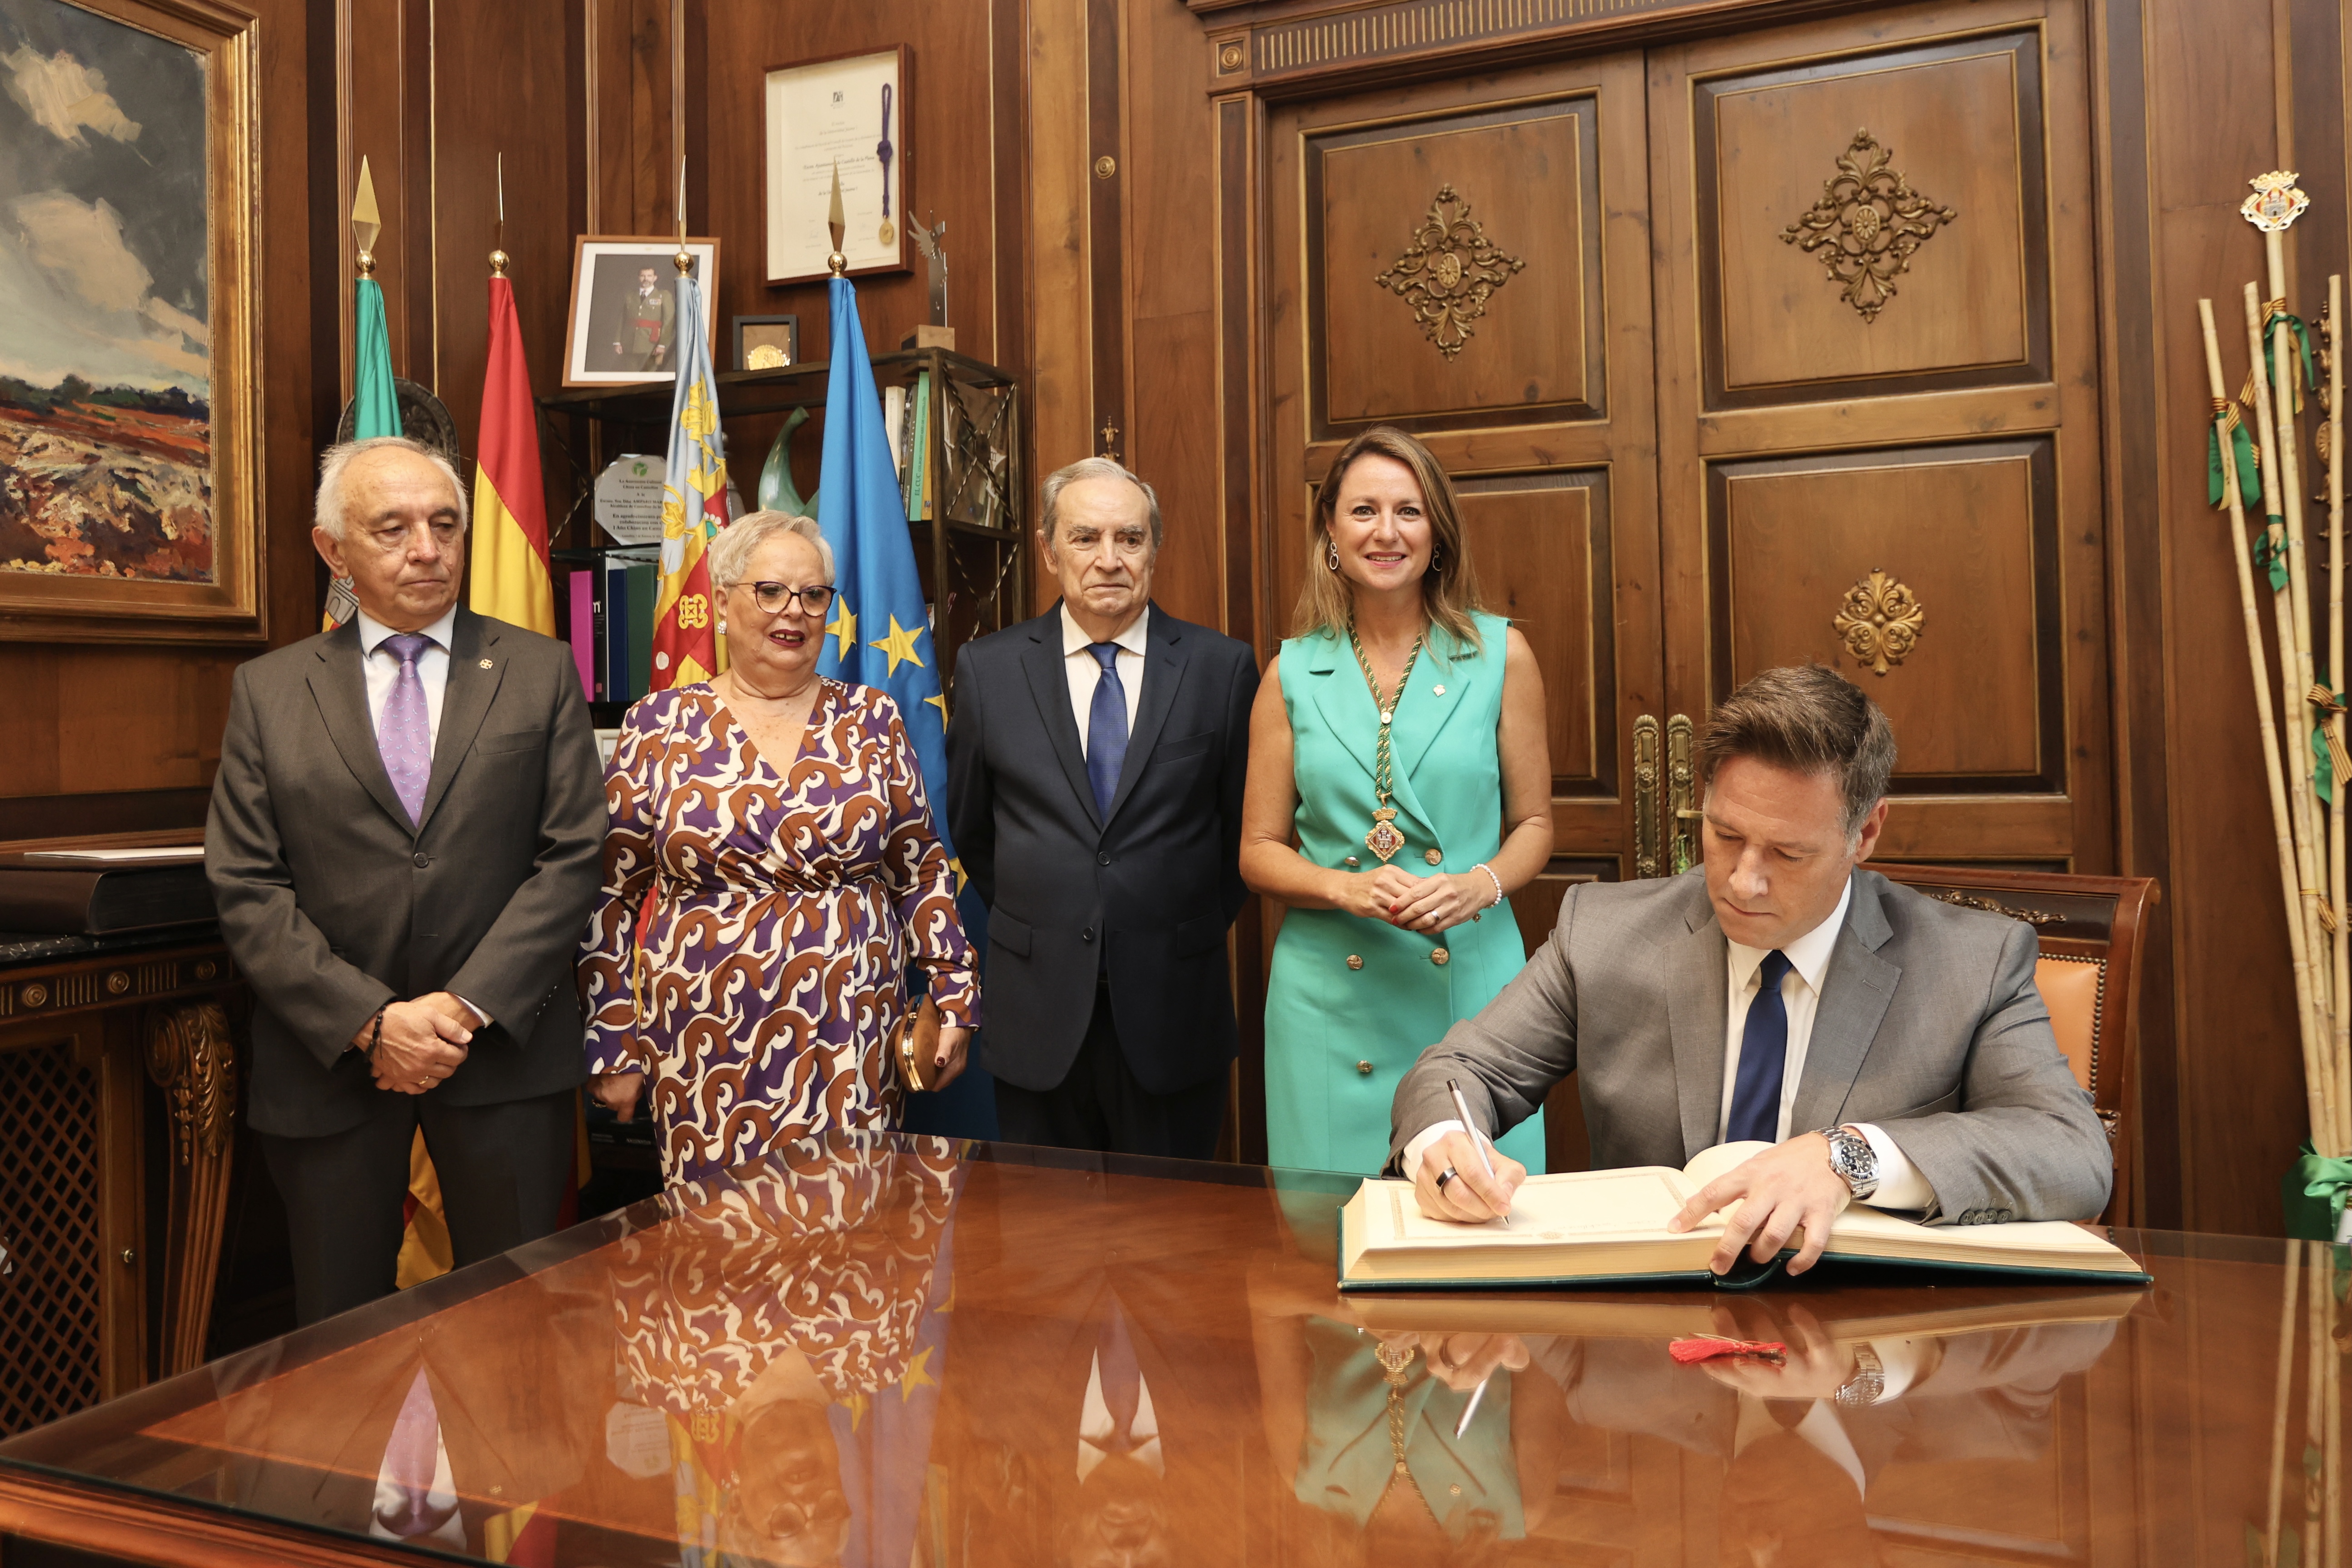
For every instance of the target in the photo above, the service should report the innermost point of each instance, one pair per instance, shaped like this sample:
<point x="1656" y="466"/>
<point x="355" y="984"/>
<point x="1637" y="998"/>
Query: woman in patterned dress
<point x="769" y="872"/>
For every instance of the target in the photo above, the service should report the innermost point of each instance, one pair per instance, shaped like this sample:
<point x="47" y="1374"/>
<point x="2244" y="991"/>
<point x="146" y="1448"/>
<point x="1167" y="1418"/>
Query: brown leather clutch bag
<point x="915" y="1047"/>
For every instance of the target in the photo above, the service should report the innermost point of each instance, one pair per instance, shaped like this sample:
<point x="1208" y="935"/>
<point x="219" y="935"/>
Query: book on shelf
<point x="919" y="477"/>
<point x="1609" y="1227"/>
<point x="606" y="612"/>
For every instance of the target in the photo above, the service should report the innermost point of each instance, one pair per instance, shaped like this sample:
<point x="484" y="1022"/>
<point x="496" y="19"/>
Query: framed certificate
<point x="848" y="112"/>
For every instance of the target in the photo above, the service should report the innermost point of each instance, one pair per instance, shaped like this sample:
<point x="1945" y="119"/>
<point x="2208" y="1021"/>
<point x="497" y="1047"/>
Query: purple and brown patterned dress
<point x="784" y="912"/>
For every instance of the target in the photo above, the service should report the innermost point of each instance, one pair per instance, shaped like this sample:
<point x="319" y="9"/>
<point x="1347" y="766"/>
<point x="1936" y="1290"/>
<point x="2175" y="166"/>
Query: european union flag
<point x="880" y="635"/>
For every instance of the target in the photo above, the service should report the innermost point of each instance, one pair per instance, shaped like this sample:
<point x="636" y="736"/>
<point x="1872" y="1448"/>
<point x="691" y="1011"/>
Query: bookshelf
<point x="968" y="526"/>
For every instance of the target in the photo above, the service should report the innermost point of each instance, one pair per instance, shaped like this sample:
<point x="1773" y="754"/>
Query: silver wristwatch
<point x="1854" y="1161"/>
<point x="1868" y="1383"/>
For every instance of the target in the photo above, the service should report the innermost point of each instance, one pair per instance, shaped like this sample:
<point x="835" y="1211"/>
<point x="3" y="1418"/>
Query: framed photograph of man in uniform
<point x="623" y="324"/>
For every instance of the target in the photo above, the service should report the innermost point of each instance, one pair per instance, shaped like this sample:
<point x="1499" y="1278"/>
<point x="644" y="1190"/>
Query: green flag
<point x="375" y="409"/>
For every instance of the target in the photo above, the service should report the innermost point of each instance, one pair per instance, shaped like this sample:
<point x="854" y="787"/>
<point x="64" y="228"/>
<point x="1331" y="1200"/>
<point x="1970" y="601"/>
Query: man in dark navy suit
<point x="1095" y="767"/>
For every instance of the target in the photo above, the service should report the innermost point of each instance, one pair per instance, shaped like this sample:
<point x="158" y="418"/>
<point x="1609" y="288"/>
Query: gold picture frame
<point x="155" y="391"/>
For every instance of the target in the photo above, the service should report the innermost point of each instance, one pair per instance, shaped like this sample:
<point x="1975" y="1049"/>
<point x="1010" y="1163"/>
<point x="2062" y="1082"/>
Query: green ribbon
<point x="2241" y="453"/>
<point x="2329" y="1181"/>
<point x="2302" y="343"/>
<point x="2272" y="556"/>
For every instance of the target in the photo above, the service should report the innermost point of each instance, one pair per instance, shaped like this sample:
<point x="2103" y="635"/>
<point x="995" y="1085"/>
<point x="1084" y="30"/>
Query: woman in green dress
<point x="1399" y="790"/>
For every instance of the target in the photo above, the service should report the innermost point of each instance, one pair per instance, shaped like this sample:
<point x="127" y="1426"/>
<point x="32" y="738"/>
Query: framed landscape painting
<point x="129" y="436"/>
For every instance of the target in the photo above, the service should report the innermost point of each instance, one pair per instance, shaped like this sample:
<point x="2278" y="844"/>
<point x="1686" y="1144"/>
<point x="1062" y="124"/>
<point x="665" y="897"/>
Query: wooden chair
<point x="2089" y="930"/>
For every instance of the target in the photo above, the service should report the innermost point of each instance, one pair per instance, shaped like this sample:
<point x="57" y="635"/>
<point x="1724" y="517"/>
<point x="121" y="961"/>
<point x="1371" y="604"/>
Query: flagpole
<point x="499" y="247"/>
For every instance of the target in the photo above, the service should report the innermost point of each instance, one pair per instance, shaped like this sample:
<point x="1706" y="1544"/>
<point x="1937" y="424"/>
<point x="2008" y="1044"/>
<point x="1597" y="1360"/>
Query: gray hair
<point x="332" y="508"/>
<point x="1062" y="479"/>
<point x="731" y="553"/>
<point x="1810" y="718"/>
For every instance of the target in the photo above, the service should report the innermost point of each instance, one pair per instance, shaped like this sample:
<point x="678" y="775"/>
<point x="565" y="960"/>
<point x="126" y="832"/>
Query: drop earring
<point x="1436" y="561"/>
<point x="1331" y="551"/>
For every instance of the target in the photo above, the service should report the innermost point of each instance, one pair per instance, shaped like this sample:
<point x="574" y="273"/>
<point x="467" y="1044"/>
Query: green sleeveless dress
<point x="1340" y="1033"/>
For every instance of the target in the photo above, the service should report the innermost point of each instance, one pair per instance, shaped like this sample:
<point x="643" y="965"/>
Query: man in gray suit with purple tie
<point x="403" y="847"/>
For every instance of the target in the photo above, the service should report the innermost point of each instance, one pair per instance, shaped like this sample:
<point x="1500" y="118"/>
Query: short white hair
<point x="1062" y="479"/>
<point x="332" y="510"/>
<point x="731" y="553"/>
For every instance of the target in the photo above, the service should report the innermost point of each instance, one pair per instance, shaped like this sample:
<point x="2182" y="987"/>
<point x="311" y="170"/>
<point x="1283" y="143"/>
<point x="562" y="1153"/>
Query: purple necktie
<point x="404" y="735"/>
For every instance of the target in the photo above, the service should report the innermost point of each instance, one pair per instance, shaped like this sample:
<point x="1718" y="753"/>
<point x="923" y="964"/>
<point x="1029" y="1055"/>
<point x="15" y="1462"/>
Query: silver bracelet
<point x="1482" y="865"/>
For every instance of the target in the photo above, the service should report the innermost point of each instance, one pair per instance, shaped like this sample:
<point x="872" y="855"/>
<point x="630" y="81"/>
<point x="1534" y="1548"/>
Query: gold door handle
<point x="1647" y="842"/>
<point x="1682" y="796"/>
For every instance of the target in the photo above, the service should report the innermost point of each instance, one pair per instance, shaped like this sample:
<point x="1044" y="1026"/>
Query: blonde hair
<point x="1449" y="592"/>
<point x="732" y="552"/>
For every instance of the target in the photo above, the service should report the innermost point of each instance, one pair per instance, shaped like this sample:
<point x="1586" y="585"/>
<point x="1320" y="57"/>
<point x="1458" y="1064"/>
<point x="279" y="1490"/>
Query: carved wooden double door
<point x="1769" y="348"/>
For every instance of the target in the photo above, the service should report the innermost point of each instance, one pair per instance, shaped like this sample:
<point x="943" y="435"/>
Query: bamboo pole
<point x="2302" y="813"/>
<point x="2329" y="1371"/>
<point x="2340" y="1045"/>
<point x="2287" y="480"/>
<point x="2258" y="664"/>
<point x="2315" y="1400"/>
<point x="2278" y="1399"/>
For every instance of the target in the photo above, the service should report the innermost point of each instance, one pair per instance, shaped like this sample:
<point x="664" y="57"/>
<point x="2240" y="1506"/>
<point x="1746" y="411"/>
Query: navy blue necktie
<point x="1105" y="728"/>
<point x="1763" y="1057"/>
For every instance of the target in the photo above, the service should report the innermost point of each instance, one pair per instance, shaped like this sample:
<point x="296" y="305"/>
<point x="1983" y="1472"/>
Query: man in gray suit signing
<point x="1890" y="1047"/>
<point x="402" y="848"/>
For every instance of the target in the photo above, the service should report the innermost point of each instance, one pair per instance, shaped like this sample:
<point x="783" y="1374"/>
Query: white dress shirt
<point x="1900" y="1185"/>
<point x="383" y="667"/>
<point x="1086" y="672"/>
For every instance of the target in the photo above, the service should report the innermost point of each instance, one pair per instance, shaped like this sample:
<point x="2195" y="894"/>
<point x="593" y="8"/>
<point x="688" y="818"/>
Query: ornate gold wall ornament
<point x="1868" y="223"/>
<point x="1448" y="271"/>
<point x="190" y="1058"/>
<point x="1880" y="621"/>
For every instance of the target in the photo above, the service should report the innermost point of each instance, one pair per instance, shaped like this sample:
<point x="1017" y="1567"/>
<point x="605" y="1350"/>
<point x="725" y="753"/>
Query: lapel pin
<point x="485" y="664"/>
<point x="1438" y="689"/>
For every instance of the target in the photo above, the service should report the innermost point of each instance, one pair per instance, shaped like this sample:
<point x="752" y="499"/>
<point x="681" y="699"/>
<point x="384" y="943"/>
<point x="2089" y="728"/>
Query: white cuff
<point x="1900" y="1185"/>
<point x="1421" y="1142"/>
<point x="482" y="1019"/>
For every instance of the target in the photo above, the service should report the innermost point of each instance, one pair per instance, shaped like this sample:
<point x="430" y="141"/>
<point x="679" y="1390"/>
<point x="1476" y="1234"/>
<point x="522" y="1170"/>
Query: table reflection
<point x="878" y="1352"/>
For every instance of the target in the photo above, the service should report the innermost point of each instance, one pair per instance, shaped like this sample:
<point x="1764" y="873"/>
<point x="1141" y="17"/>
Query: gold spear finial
<point x="684" y="260"/>
<point x="498" y="250"/>
<point x="838" y="225"/>
<point x="367" y="220"/>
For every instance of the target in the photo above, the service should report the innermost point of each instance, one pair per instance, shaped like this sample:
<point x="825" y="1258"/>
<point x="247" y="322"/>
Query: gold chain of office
<point x="1383" y="840"/>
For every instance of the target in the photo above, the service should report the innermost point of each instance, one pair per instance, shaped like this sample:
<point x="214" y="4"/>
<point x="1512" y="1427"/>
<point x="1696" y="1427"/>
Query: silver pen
<point x="1462" y="1110"/>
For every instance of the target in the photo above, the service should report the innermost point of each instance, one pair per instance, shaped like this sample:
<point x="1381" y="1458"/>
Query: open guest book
<point x="1609" y="1227"/>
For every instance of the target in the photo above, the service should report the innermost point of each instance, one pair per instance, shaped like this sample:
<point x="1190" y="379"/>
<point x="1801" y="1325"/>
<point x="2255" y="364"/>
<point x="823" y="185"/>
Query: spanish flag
<point x="509" y="578"/>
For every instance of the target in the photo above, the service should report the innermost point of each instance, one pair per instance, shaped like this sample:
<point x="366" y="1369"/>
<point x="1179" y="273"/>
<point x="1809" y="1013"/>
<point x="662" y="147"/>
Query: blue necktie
<point x="1763" y="1055"/>
<point x="1105" y="728"/>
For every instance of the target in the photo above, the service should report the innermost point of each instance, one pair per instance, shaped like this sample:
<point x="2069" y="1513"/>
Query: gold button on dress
<point x="1435" y="857"/>
<point x="1439" y="956"/>
<point x="1355" y="960"/>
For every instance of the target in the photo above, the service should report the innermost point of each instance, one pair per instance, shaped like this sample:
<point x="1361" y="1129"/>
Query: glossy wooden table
<point x="888" y="1352"/>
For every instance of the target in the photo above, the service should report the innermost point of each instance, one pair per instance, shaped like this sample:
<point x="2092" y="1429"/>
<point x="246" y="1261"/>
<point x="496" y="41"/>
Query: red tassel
<point x="1707" y="1347"/>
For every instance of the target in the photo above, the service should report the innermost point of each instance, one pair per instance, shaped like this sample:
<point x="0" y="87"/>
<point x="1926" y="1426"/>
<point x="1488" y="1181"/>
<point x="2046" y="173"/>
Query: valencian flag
<point x="880" y="634"/>
<point x="694" y="508"/>
<point x="510" y="578"/>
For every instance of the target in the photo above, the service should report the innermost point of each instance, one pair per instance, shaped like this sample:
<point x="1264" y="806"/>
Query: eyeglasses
<point x="772" y="597"/>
